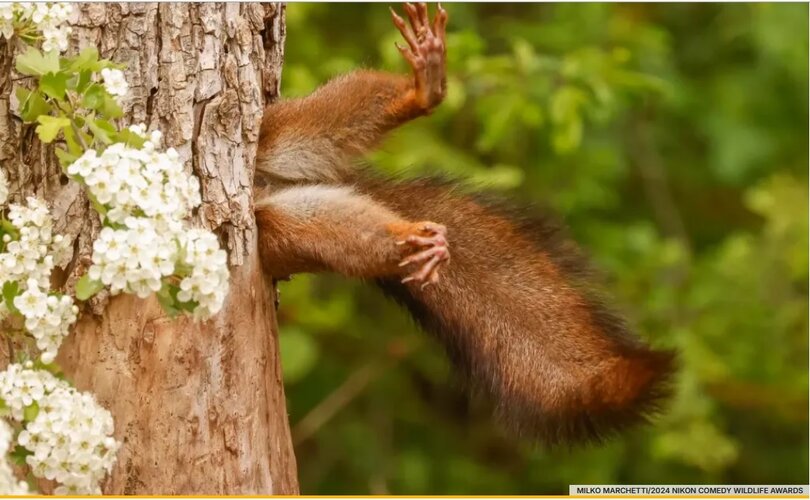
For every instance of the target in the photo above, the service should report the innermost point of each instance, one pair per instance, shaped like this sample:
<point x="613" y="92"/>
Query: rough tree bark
<point x="200" y="408"/>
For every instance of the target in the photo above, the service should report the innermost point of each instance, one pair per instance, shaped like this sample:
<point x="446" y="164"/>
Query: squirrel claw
<point x="425" y="52"/>
<point x="436" y="252"/>
<point x="433" y="228"/>
<point x="435" y="256"/>
<point x="432" y="254"/>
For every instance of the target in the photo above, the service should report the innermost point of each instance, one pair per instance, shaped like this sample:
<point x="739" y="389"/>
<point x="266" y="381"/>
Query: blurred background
<point x="673" y="140"/>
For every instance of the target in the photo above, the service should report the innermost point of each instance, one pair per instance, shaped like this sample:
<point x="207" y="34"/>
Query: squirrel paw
<point x="430" y="244"/>
<point x="425" y="52"/>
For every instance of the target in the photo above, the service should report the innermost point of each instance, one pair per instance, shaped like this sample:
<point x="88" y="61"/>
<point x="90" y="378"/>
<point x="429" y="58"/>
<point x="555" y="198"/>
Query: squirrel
<point x="512" y="307"/>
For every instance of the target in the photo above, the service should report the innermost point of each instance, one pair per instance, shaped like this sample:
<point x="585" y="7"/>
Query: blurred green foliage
<point x="673" y="140"/>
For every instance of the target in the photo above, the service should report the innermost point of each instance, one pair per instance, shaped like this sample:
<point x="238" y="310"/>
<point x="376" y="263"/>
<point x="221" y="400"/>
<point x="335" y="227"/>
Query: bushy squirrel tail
<point x="517" y="315"/>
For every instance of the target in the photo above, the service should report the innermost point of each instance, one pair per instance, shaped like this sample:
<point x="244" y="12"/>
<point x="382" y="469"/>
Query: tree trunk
<point x="199" y="407"/>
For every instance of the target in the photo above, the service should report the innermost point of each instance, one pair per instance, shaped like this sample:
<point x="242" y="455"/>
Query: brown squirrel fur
<point x="512" y="307"/>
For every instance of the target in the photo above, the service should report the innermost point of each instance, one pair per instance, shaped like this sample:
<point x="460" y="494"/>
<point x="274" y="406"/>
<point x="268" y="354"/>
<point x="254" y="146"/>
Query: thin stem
<point x="72" y="115"/>
<point x="79" y="135"/>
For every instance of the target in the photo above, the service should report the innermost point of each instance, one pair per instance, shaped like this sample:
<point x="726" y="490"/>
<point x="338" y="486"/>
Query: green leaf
<point x="52" y="368"/>
<point x="19" y="454"/>
<point x="10" y="291"/>
<point x="34" y="63"/>
<point x="187" y="306"/>
<point x="83" y="80"/>
<point x="130" y="138"/>
<point x="54" y="85"/>
<point x="49" y="127"/>
<point x="86" y="60"/>
<point x="94" y="97"/>
<point x="9" y="228"/>
<point x="4" y="409"/>
<point x="30" y="412"/>
<point x="31" y="104"/>
<point x="23" y="94"/>
<point x="86" y="287"/>
<point x="65" y="158"/>
<point x="167" y="299"/>
<point x="102" y="130"/>
<point x="74" y="147"/>
<point x="111" y="109"/>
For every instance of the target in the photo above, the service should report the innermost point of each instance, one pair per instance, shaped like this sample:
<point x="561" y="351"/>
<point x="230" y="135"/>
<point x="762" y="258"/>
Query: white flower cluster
<point x="139" y="182"/>
<point x="70" y="438"/>
<point x="21" y="386"/>
<point x="134" y="259"/>
<point x="207" y="284"/>
<point x="47" y="317"/>
<point x="47" y="17"/>
<point x="9" y="484"/>
<point x="8" y="14"/>
<point x="146" y="194"/>
<point x="37" y="250"/>
<point x="29" y="260"/>
<point x="114" y="82"/>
